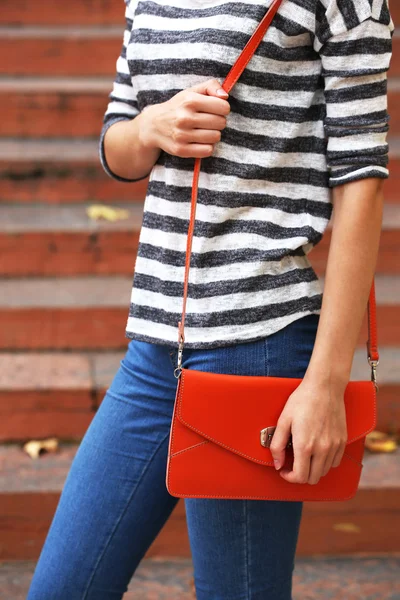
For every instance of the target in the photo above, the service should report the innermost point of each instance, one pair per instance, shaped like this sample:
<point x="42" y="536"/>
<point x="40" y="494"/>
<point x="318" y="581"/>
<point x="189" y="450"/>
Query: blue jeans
<point x="114" y="500"/>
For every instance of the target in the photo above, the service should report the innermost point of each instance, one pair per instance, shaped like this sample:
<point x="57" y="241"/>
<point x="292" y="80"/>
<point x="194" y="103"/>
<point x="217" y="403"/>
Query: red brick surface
<point x="392" y="184"/>
<point x="90" y="328"/>
<point x="53" y="181"/>
<point x="368" y="523"/>
<point x="75" y="12"/>
<point x="388" y="260"/>
<point x="394" y="106"/>
<point x="69" y="52"/>
<point x="103" y="328"/>
<point x="61" y="240"/>
<point x="69" y="253"/>
<point x="44" y="395"/>
<point x="32" y="113"/>
<point x="91" y="12"/>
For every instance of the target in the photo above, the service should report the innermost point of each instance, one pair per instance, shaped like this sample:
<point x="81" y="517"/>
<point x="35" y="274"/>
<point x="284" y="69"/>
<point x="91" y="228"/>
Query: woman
<point x="302" y="131"/>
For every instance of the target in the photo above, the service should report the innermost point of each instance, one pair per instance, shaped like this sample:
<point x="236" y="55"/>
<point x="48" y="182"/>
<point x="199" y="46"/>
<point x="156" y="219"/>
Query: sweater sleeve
<point x="122" y="105"/>
<point x="354" y="41"/>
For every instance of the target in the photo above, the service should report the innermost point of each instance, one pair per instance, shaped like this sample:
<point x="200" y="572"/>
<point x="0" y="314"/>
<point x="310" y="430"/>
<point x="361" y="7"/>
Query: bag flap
<point x="231" y="410"/>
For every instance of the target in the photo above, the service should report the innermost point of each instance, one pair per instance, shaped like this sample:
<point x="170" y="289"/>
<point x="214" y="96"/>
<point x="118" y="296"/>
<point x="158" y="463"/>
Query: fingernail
<point x="277" y="465"/>
<point x="222" y="92"/>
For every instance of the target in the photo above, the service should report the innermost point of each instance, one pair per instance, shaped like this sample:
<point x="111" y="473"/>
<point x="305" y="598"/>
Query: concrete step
<point x="52" y="394"/>
<point x="72" y="313"/>
<point x="58" y="171"/>
<point x="61" y="240"/>
<point x="39" y="239"/>
<point x="51" y="107"/>
<point x="46" y="394"/>
<point x="83" y="313"/>
<point x="314" y="578"/>
<point x="368" y="523"/>
<point x="75" y="12"/>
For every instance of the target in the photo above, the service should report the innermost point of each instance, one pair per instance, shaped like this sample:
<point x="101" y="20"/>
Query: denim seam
<point x="247" y="549"/>
<point x="84" y="597"/>
<point x="266" y="357"/>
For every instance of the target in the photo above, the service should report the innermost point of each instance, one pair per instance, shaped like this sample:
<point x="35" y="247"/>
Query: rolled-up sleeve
<point x="122" y="105"/>
<point x="354" y="41"/>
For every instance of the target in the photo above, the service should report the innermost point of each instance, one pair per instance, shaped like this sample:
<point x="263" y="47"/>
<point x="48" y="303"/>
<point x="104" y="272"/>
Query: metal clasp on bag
<point x="266" y="437"/>
<point x="373" y="364"/>
<point x="178" y="369"/>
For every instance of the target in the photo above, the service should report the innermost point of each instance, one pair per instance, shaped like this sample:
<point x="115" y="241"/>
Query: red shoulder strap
<point x="229" y="82"/>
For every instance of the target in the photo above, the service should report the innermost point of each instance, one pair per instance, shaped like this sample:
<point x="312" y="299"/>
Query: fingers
<point x="328" y="462"/>
<point x="317" y="465"/>
<point x="339" y="454"/>
<point x="207" y="96"/>
<point x="301" y="464"/>
<point x="211" y="87"/>
<point x="311" y="464"/>
<point x="207" y="121"/>
<point x="279" y="442"/>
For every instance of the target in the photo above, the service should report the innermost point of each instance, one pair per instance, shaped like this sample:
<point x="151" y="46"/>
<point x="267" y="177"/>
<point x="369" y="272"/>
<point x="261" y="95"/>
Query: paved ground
<point x="315" y="579"/>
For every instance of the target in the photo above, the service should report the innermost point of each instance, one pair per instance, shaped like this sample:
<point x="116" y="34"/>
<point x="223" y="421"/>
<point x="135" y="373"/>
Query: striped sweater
<point x="308" y="113"/>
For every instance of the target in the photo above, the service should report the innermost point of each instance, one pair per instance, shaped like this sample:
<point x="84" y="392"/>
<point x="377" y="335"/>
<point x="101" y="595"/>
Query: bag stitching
<point x="319" y="499"/>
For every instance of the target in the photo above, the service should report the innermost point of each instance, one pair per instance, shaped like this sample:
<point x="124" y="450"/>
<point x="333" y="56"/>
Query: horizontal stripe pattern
<point x="308" y="113"/>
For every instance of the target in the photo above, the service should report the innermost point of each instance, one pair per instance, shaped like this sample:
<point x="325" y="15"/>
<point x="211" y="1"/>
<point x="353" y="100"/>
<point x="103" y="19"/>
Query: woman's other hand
<point x="190" y="123"/>
<point x="315" y="416"/>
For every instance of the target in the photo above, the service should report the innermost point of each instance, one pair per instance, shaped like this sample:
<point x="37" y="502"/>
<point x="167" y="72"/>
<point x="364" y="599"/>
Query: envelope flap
<point x="231" y="410"/>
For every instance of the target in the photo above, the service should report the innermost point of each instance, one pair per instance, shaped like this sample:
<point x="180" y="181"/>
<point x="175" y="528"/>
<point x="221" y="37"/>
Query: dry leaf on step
<point x="109" y="213"/>
<point x="347" y="527"/>
<point x="378" y="441"/>
<point x="36" y="447"/>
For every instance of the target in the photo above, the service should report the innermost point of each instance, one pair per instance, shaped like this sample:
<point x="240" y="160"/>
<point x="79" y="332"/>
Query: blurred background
<point x="68" y="240"/>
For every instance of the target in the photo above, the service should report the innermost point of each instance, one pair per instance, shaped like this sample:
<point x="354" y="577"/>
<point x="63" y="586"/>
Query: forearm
<point x="353" y="252"/>
<point x="127" y="147"/>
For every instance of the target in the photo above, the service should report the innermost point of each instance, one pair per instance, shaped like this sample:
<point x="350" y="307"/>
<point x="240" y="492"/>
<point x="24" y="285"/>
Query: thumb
<point x="211" y="87"/>
<point x="279" y="441"/>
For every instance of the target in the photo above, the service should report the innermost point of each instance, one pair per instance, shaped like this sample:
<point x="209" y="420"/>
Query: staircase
<point x="65" y="281"/>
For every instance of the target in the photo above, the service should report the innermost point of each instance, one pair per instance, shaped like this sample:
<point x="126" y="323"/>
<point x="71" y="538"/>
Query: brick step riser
<point x="114" y="253"/>
<point x="85" y="181"/>
<point x="59" y="182"/>
<point x="53" y="114"/>
<point x="75" y="12"/>
<point x="26" y="518"/>
<point x="70" y="55"/>
<point x="67" y="414"/>
<point x="78" y="12"/>
<point x="103" y="328"/>
<point x="67" y="55"/>
<point x="52" y="254"/>
<point x="64" y="114"/>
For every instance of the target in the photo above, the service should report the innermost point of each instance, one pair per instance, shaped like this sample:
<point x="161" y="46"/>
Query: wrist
<point x="146" y="131"/>
<point x="335" y="380"/>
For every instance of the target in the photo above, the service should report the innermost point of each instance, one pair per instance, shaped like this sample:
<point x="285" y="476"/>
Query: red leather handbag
<point x="222" y="424"/>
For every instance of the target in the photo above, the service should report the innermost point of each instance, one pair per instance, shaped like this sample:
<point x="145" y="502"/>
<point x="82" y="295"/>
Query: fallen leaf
<point x="347" y="527"/>
<point x="378" y="441"/>
<point x="36" y="447"/>
<point x="109" y="213"/>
